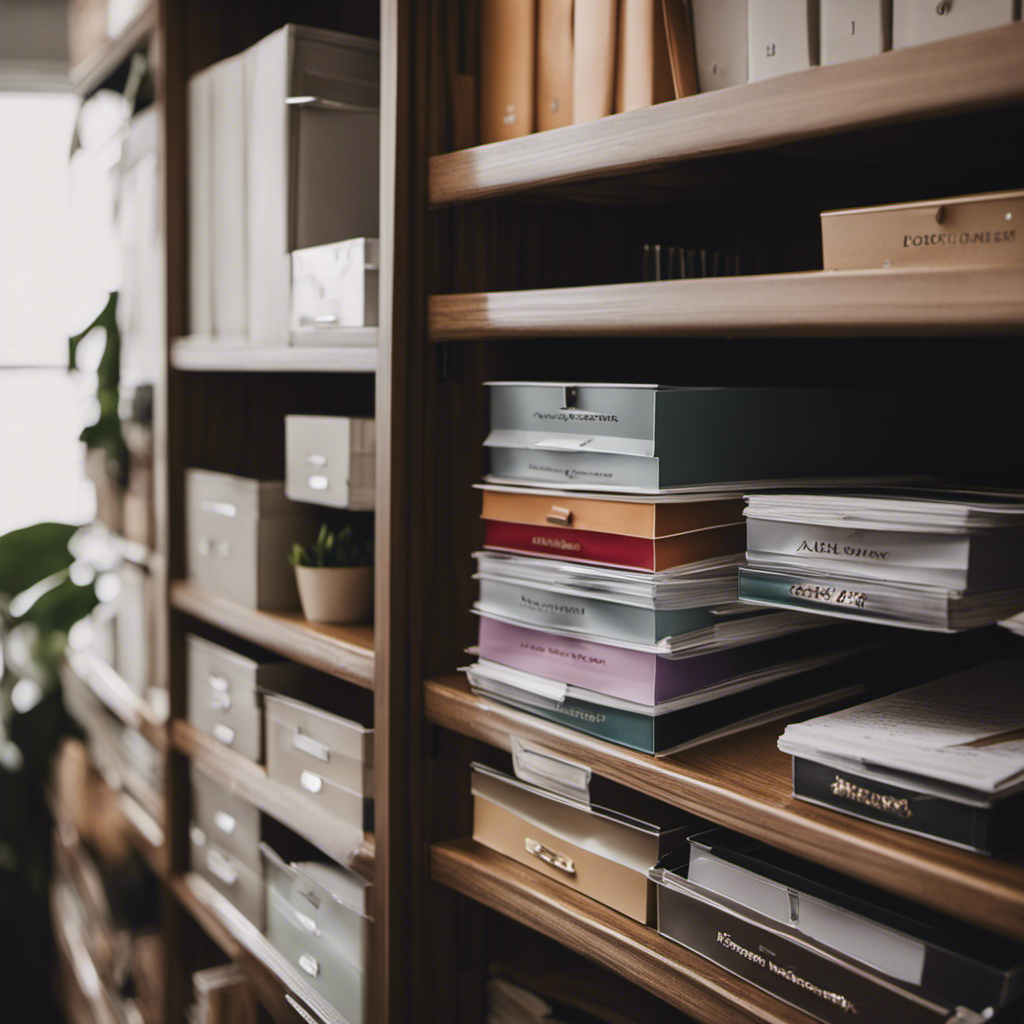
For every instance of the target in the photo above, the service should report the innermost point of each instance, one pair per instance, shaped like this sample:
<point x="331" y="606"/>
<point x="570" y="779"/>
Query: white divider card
<point x="851" y="29"/>
<point x="539" y="767"/>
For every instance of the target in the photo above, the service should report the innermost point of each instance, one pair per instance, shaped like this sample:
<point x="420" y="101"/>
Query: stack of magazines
<point x="944" y="759"/>
<point x="927" y="559"/>
<point x="610" y="606"/>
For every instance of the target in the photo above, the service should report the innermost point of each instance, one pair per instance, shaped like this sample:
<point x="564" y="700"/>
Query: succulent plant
<point x="334" y="549"/>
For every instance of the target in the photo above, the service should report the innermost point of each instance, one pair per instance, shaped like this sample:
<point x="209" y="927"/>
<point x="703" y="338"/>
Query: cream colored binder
<point x="508" y="30"/>
<point x="682" y="56"/>
<point x="595" y="26"/>
<point x="554" y="63"/>
<point x="643" y="73"/>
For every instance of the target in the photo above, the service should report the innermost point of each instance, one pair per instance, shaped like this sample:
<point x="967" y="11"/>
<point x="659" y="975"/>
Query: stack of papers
<point x="927" y="559"/>
<point x="945" y="758"/>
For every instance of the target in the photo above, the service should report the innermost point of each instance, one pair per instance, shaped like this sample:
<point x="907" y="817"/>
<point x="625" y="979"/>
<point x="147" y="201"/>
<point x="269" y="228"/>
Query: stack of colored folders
<point x="613" y="611"/>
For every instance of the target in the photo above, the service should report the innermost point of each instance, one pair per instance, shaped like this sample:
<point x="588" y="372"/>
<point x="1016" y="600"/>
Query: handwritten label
<point x="828" y="595"/>
<point x="550" y="607"/>
<point x="555" y="542"/>
<point x="586" y="659"/>
<point x="963" y="238"/>
<point x="825" y="547"/>
<point x="565" y="415"/>
<point x="570" y="474"/>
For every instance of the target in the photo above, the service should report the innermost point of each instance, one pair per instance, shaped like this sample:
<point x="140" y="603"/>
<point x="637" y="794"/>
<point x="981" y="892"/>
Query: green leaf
<point x="61" y="607"/>
<point x="29" y="555"/>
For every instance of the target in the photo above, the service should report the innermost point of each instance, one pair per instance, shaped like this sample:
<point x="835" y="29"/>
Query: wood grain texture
<point x="249" y="781"/>
<point x="670" y="971"/>
<point x="343" y="651"/>
<point x="835" y="302"/>
<point x="272" y="977"/>
<point x="984" y="69"/>
<point x="743" y="782"/>
<point x="203" y="355"/>
<point x="91" y="72"/>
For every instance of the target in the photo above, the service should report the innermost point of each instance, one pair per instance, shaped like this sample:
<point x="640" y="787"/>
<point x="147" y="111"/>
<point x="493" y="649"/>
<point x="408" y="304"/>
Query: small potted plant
<point x="335" y="576"/>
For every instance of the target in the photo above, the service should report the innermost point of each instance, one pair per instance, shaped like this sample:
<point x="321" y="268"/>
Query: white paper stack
<point x="928" y="559"/>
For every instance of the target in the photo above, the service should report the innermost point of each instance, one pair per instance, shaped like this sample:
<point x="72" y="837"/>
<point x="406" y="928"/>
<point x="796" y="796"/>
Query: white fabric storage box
<point x="227" y="821"/>
<point x="317" y="919"/>
<point x="926" y="21"/>
<point x="223" y="697"/>
<point x="334" y="286"/>
<point x="851" y="29"/>
<point x="330" y="460"/>
<point x="313" y="133"/>
<point x="239" y="533"/>
<point x="720" y="41"/>
<point x="228" y="875"/>
<point x="322" y="755"/>
<point x="782" y="37"/>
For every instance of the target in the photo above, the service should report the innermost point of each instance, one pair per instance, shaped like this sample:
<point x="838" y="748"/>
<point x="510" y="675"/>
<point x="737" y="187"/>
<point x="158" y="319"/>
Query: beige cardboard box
<point x="964" y="231"/>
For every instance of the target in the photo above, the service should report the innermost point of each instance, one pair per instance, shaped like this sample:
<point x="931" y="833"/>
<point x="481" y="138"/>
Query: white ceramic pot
<point x="339" y="595"/>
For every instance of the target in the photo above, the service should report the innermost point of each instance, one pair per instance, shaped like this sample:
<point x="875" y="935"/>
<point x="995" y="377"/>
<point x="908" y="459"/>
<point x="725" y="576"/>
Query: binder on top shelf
<point x="924" y="21"/>
<point x="643" y="73"/>
<point x="508" y="30"/>
<point x="782" y="37"/>
<point x="595" y="28"/>
<point x="200" y="205"/>
<point x="554" y="63"/>
<point x="682" y="57"/>
<point x="313" y="155"/>
<point x="851" y="29"/>
<point x="943" y="759"/>
<point x="720" y="42"/>
<point x="228" y="173"/>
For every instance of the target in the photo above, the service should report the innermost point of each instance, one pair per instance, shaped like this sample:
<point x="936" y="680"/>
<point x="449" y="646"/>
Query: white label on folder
<point x="540" y="767"/>
<point x="224" y="822"/>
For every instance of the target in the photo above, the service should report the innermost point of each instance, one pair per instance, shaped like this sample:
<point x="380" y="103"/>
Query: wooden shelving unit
<point x="343" y="651"/>
<point x="617" y="942"/>
<point x="358" y="355"/>
<point x="244" y="778"/>
<point x="277" y="984"/>
<point x="912" y="84"/>
<point x="92" y="72"/>
<point x="846" y="303"/>
<point x="743" y="782"/>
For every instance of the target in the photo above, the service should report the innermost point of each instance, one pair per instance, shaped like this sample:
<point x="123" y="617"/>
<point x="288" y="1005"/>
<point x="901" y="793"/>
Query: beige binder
<point x="682" y="54"/>
<point x="507" y="45"/>
<point x="643" y="71"/>
<point x="554" y="63"/>
<point x="595" y="26"/>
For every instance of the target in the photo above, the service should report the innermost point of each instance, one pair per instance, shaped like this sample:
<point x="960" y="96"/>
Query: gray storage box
<point x="239" y="533"/>
<point x="223" y="698"/>
<point x="229" y="822"/>
<point x="645" y="437"/>
<point x="331" y="460"/>
<point x="228" y="875"/>
<point x="317" y="919"/>
<point x="325" y="756"/>
<point x="334" y="286"/>
<point x="313" y="156"/>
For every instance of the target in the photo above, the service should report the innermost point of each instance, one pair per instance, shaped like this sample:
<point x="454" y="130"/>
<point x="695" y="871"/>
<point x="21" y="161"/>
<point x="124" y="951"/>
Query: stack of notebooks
<point x="613" y="609"/>
<point x="944" y="759"/>
<point x="928" y="559"/>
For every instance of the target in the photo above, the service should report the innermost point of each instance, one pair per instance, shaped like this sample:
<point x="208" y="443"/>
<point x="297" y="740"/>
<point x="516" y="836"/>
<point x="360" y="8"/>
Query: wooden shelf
<point x="358" y="355"/>
<point x="635" y="951"/>
<point x="849" y="302"/>
<point x="343" y="651"/>
<point x="117" y="696"/>
<point x="249" y="781"/>
<point x="278" y="986"/>
<point x="88" y="75"/>
<point x="743" y="782"/>
<point x="982" y="70"/>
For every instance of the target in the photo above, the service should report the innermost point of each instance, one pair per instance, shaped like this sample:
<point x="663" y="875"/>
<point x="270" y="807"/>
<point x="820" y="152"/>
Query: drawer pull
<point x="307" y="922"/>
<point x="218" y="683"/>
<point x="203" y="546"/>
<point x="311" y="782"/>
<point x="327" y="318"/>
<point x="197" y="835"/>
<point x="318" y="483"/>
<point x="308" y="745"/>
<point x="559" y="516"/>
<point x="219" y="508"/>
<point x="549" y="856"/>
<point x="316" y="460"/>
<point x="309" y="965"/>
<point x="224" y="549"/>
<point x="219" y="867"/>
<point x="224" y="822"/>
<point x="220" y="701"/>
<point x="224" y="733"/>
